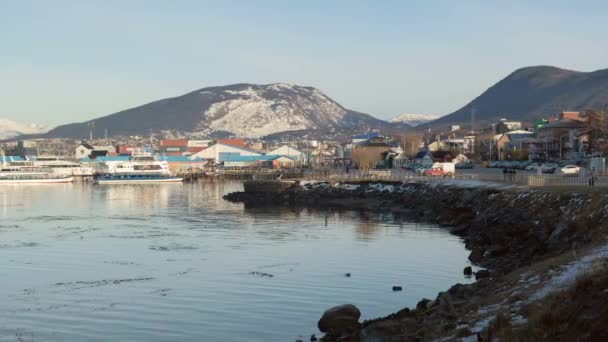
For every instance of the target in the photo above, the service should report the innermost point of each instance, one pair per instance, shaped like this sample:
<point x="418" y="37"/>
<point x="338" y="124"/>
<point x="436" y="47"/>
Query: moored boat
<point x="134" y="178"/>
<point x="11" y="174"/>
<point x="138" y="169"/>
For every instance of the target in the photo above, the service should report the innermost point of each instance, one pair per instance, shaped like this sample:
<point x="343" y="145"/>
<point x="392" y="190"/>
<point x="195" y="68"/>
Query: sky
<point x="67" y="61"/>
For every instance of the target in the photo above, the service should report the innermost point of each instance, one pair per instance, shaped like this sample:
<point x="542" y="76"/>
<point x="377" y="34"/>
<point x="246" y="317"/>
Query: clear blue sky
<point x="64" y="61"/>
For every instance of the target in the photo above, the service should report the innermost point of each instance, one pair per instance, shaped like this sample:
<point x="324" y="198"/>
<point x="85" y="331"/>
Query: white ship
<point x="29" y="174"/>
<point x="138" y="169"/>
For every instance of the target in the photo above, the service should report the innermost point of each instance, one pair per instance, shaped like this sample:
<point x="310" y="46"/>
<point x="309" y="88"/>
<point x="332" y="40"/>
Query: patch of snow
<point x="569" y="273"/>
<point x="414" y="119"/>
<point x="262" y="110"/>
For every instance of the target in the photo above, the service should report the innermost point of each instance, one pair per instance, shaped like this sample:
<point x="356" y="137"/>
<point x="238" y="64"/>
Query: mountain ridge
<point x="242" y="109"/>
<point x="531" y="93"/>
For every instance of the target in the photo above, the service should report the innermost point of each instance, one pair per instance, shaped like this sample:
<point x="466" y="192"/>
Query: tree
<point x="595" y="129"/>
<point x="410" y="142"/>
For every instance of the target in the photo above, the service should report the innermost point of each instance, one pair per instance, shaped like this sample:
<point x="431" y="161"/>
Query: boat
<point x="29" y="174"/>
<point x="64" y="167"/>
<point x="138" y="169"/>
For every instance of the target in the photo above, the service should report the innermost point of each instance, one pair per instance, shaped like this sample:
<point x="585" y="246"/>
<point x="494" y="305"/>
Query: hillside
<point x="243" y="110"/>
<point x="534" y="92"/>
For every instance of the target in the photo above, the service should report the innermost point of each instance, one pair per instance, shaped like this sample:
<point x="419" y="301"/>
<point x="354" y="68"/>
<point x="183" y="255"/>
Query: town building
<point x="85" y="150"/>
<point x="370" y="153"/>
<point x="220" y="152"/>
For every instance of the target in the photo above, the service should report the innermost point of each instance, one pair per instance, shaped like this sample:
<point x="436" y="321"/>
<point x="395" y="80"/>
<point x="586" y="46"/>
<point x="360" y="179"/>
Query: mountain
<point x="534" y="92"/>
<point x="10" y="129"/>
<point x="414" y="119"/>
<point x="243" y="110"/>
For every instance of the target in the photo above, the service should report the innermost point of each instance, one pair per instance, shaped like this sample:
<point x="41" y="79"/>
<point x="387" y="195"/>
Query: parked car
<point x="436" y="172"/>
<point x="533" y="167"/>
<point x="465" y="166"/>
<point x="549" y="167"/>
<point x="570" y="170"/>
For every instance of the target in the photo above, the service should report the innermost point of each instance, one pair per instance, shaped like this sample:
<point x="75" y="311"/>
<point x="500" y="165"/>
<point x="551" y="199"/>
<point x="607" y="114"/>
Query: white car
<point x="570" y="170"/>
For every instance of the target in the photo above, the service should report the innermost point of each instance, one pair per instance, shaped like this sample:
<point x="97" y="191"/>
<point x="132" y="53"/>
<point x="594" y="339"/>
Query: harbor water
<point x="175" y="262"/>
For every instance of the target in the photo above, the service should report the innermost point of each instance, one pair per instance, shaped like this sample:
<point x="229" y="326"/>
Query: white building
<point x="291" y="152"/>
<point x="220" y="152"/>
<point x="84" y="150"/>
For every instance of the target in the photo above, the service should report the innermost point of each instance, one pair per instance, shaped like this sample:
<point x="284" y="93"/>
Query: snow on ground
<point x="571" y="272"/>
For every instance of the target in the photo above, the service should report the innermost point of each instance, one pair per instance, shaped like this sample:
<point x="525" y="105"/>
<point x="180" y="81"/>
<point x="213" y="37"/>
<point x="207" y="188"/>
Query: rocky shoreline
<point x="516" y="234"/>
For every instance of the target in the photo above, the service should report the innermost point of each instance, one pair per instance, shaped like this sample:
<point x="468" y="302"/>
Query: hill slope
<point x="534" y="92"/>
<point x="244" y="110"/>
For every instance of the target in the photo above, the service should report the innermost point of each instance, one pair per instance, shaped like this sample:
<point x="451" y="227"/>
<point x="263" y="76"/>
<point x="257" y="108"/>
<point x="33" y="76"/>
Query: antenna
<point x="91" y="127"/>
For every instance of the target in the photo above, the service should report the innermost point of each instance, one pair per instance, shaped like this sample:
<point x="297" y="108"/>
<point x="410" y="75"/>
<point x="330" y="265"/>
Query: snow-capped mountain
<point x="243" y="110"/>
<point x="255" y="111"/>
<point x="10" y="129"/>
<point x="414" y="119"/>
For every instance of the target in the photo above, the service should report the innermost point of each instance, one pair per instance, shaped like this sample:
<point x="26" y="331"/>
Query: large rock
<point x="340" y="319"/>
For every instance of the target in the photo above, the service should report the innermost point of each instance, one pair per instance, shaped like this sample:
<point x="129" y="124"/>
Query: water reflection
<point x="176" y="262"/>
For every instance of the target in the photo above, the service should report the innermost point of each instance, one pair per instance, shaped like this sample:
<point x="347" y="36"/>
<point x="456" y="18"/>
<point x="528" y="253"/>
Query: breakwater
<point x="508" y="229"/>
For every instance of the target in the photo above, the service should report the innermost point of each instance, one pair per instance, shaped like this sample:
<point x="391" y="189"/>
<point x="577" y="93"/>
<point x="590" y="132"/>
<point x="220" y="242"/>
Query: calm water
<point x="176" y="262"/>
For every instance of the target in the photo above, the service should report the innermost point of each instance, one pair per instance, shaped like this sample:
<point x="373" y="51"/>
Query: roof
<point x="369" y="143"/>
<point x="566" y="123"/>
<point x="87" y="146"/>
<point x="421" y="155"/>
<point x="441" y="154"/>
<point x="13" y="158"/>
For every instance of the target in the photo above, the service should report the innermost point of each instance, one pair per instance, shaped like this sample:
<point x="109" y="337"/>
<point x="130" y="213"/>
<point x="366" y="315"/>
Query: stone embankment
<point x="511" y="231"/>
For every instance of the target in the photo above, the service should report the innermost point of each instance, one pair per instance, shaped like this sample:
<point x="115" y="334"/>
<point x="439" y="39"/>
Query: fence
<point x="531" y="180"/>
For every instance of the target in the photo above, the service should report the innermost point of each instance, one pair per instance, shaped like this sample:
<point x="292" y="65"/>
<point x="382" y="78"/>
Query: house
<point x="85" y="150"/>
<point x="506" y="126"/>
<point x="561" y="139"/>
<point x="423" y="157"/>
<point x="370" y="154"/>
<point x="219" y="152"/>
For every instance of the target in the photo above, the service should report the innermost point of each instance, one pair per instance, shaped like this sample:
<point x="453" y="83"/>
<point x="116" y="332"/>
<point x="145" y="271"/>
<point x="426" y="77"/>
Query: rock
<point x="468" y="271"/>
<point x="476" y="255"/>
<point x="389" y="330"/>
<point x="397" y="288"/>
<point x="482" y="274"/>
<point x="339" y="319"/>
<point x="423" y="304"/>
